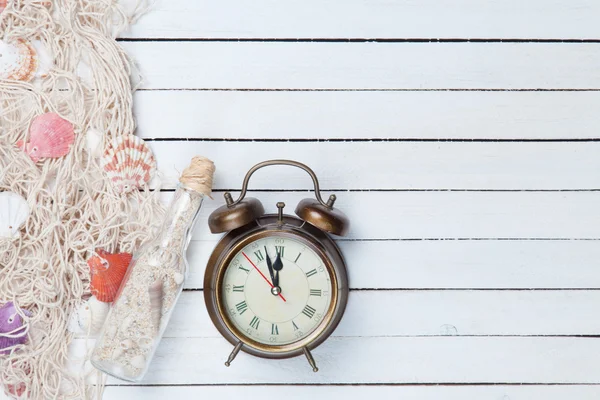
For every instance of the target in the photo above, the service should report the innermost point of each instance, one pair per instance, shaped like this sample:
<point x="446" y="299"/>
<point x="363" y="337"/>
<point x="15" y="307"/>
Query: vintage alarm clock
<point x="276" y="285"/>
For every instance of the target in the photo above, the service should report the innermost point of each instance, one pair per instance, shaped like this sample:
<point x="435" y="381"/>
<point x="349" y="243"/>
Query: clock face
<point x="276" y="290"/>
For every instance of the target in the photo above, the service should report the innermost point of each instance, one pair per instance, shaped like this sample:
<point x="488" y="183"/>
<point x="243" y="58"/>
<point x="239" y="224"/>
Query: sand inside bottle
<point x="142" y="308"/>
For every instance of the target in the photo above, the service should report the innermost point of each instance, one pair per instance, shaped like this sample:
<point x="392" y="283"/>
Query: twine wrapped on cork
<point x="198" y="175"/>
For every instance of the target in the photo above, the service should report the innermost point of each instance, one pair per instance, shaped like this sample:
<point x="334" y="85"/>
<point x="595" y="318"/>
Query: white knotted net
<point x="74" y="209"/>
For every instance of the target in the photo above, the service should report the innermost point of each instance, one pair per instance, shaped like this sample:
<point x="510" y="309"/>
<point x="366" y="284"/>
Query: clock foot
<point x="234" y="353"/>
<point x="310" y="359"/>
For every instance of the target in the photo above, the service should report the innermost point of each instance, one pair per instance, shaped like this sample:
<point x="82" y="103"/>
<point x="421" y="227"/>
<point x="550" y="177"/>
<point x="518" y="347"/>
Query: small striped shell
<point x="129" y="163"/>
<point x="23" y="61"/>
<point x="18" y="60"/>
<point x="91" y="315"/>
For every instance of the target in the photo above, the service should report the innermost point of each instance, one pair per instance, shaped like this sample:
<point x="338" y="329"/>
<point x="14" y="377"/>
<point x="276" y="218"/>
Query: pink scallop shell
<point x="50" y="135"/>
<point x="129" y="163"/>
<point x="3" y="4"/>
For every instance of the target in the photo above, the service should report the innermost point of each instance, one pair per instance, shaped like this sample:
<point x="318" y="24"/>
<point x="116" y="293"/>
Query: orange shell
<point x="107" y="272"/>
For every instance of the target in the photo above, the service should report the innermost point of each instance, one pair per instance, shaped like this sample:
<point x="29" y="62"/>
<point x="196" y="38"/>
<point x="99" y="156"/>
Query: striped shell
<point x="106" y="274"/>
<point x="22" y="60"/>
<point x="129" y="163"/>
<point x="91" y="315"/>
<point x="18" y="60"/>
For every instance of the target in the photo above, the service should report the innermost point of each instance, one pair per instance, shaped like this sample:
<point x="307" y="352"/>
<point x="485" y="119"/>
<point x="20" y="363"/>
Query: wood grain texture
<point x="393" y="165"/>
<point x="356" y="115"/>
<point x="435" y="313"/>
<point x="372" y="19"/>
<point x="454" y="264"/>
<point x="416" y="392"/>
<point x="361" y="66"/>
<point x="449" y="215"/>
<point x="363" y="360"/>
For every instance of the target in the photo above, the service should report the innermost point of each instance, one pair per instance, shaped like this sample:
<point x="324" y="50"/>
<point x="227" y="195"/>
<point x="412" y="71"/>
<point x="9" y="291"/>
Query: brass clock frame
<point x="280" y="226"/>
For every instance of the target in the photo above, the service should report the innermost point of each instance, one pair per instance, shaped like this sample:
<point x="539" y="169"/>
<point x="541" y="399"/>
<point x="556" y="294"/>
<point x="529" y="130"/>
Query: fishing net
<point x="74" y="207"/>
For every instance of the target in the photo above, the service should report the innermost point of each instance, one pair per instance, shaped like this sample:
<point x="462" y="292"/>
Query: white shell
<point x="18" y="60"/>
<point x="138" y="362"/>
<point x="155" y="292"/>
<point x="45" y="62"/>
<point x="145" y="342"/>
<point x="117" y="353"/>
<point x="178" y="278"/>
<point x="14" y="211"/>
<point x="94" y="139"/>
<point x="22" y="60"/>
<point x="91" y="315"/>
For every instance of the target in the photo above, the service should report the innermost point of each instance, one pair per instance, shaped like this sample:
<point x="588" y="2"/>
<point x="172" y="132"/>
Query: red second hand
<point x="261" y="274"/>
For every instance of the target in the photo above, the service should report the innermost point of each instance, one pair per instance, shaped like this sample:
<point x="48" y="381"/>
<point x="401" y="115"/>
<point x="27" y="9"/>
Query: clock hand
<point x="277" y="266"/>
<point x="270" y="266"/>
<point x="261" y="274"/>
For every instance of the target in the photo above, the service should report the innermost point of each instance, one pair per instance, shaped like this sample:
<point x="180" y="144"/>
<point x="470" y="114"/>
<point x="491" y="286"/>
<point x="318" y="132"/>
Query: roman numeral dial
<point x="249" y="303"/>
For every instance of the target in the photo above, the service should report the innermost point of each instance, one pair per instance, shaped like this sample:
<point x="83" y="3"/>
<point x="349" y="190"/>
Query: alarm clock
<point x="276" y="285"/>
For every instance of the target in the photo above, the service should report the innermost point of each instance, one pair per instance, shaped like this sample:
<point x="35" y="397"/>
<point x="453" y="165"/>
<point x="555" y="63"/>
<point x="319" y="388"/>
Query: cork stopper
<point x="198" y="175"/>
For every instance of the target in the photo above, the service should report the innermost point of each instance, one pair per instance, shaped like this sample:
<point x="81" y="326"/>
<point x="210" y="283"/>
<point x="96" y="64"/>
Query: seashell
<point x="145" y="342"/>
<point x="117" y="353"/>
<point x="127" y="344"/>
<point x="13" y="330"/>
<point x="14" y="211"/>
<point x="178" y="278"/>
<point x="91" y="315"/>
<point x="93" y="139"/>
<point x="3" y="4"/>
<point x="22" y="60"/>
<point x="155" y="292"/>
<point x="107" y="272"/>
<point x="18" y="60"/>
<point x="129" y="163"/>
<point x="49" y="136"/>
<point x="45" y="62"/>
<point x="138" y="361"/>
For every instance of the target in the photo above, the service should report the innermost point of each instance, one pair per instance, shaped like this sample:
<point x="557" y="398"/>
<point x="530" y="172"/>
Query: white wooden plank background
<point x="506" y="19"/>
<point x="460" y="137"/>
<point x="430" y="115"/>
<point x="362" y="66"/>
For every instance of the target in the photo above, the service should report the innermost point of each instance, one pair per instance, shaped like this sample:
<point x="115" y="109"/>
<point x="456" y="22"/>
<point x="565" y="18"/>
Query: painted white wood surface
<point x="574" y="19"/>
<point x="361" y="66"/>
<point x="397" y="313"/>
<point x="414" y="392"/>
<point x="399" y="165"/>
<point x="473" y="255"/>
<point x="385" y="360"/>
<point x="357" y="115"/>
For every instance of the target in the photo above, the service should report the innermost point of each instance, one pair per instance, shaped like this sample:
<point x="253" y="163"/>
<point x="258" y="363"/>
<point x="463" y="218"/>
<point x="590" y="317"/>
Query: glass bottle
<point x="153" y="283"/>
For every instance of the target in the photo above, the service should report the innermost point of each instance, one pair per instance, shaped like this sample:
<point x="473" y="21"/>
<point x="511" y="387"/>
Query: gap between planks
<point x="359" y="40"/>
